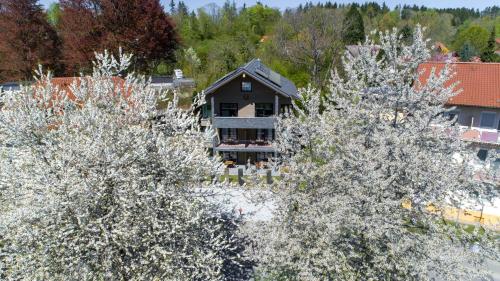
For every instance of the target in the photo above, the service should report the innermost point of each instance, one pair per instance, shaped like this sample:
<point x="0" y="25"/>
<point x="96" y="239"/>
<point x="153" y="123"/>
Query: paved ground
<point x="244" y="202"/>
<point x="494" y="267"/>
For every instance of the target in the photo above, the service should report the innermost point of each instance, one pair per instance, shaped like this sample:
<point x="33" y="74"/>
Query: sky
<point x="282" y="4"/>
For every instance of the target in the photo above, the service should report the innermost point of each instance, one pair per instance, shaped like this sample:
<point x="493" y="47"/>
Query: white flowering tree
<point x="369" y="175"/>
<point x="103" y="186"/>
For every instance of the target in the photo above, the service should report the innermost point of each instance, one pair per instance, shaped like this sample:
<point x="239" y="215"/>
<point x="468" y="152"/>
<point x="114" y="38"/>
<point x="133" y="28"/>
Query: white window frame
<point x="246" y="90"/>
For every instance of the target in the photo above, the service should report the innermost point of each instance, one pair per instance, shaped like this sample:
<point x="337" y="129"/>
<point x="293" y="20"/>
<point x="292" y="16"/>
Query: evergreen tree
<point x="467" y="52"/>
<point x="182" y="9"/>
<point x="172" y="7"/>
<point x="353" y="30"/>
<point x="489" y="54"/>
<point x="406" y="34"/>
<point x="27" y="39"/>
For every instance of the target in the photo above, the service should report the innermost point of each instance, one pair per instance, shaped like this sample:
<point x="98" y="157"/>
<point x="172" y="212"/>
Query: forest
<point x="304" y="44"/>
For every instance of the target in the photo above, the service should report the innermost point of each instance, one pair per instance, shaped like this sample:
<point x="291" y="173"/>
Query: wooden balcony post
<point x="212" y="105"/>
<point x="276" y="105"/>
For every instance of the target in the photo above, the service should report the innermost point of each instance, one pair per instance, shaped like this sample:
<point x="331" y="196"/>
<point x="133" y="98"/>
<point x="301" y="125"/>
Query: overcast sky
<point x="477" y="4"/>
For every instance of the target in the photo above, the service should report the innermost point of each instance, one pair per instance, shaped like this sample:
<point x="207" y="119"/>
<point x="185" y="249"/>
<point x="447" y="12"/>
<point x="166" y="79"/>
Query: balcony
<point x="244" y="122"/>
<point x="480" y="135"/>
<point x="245" y="146"/>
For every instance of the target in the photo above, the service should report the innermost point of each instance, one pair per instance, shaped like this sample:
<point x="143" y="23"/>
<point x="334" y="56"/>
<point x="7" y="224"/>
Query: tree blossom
<point x="370" y="170"/>
<point x="104" y="186"/>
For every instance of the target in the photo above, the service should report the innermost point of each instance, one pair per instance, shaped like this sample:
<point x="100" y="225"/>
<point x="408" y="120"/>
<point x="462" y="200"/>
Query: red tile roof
<point x="64" y="83"/>
<point x="480" y="82"/>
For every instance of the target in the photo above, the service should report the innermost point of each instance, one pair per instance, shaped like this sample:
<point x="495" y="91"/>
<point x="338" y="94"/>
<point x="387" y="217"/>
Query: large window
<point x="206" y="110"/>
<point x="265" y="134"/>
<point x="230" y="156"/>
<point x="264" y="109"/>
<point x="264" y="156"/>
<point x="487" y="120"/>
<point x="246" y="86"/>
<point x="228" y="135"/>
<point x="228" y="109"/>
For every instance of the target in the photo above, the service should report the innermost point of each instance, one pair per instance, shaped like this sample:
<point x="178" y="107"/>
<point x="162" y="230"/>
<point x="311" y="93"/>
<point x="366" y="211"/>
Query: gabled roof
<point x="261" y="73"/>
<point x="480" y="82"/>
<point x="63" y="84"/>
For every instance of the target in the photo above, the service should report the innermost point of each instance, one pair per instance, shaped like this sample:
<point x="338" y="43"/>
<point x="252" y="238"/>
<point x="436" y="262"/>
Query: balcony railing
<point x="481" y="135"/>
<point x="244" y="122"/>
<point x="246" y="145"/>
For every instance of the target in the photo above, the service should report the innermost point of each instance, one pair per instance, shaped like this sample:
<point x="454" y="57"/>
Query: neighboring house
<point x="10" y="86"/>
<point x="477" y="107"/>
<point x="242" y="107"/>
<point x="176" y="81"/>
<point x="441" y="53"/>
<point x="63" y="84"/>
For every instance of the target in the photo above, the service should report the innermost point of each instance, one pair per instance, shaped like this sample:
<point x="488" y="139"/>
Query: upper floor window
<point x="263" y="109"/>
<point x="228" y="109"/>
<point x="487" y="120"/>
<point x="206" y="110"/>
<point x="246" y="86"/>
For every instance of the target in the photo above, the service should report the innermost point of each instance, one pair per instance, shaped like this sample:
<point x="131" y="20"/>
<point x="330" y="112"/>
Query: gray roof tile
<point x="260" y="72"/>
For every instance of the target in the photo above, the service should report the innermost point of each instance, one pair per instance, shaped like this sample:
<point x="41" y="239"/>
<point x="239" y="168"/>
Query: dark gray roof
<point x="161" y="79"/>
<point x="10" y="86"/>
<point x="258" y="71"/>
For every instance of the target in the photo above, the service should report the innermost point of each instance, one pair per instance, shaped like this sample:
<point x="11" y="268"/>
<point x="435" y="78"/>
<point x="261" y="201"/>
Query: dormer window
<point x="246" y="86"/>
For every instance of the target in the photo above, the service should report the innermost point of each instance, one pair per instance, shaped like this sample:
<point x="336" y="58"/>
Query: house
<point x="63" y="85"/>
<point x="176" y="81"/>
<point x="441" y="53"/>
<point x="10" y="86"/>
<point x="242" y="107"/>
<point x="477" y="106"/>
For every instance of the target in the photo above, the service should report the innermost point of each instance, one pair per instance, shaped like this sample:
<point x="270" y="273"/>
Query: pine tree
<point x="489" y="54"/>
<point x="27" y="40"/>
<point x="353" y="30"/>
<point x="406" y="34"/>
<point x="467" y="52"/>
<point x="172" y="7"/>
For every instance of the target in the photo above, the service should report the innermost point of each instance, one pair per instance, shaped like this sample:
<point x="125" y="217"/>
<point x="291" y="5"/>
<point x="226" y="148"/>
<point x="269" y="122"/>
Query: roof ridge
<point x="461" y="62"/>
